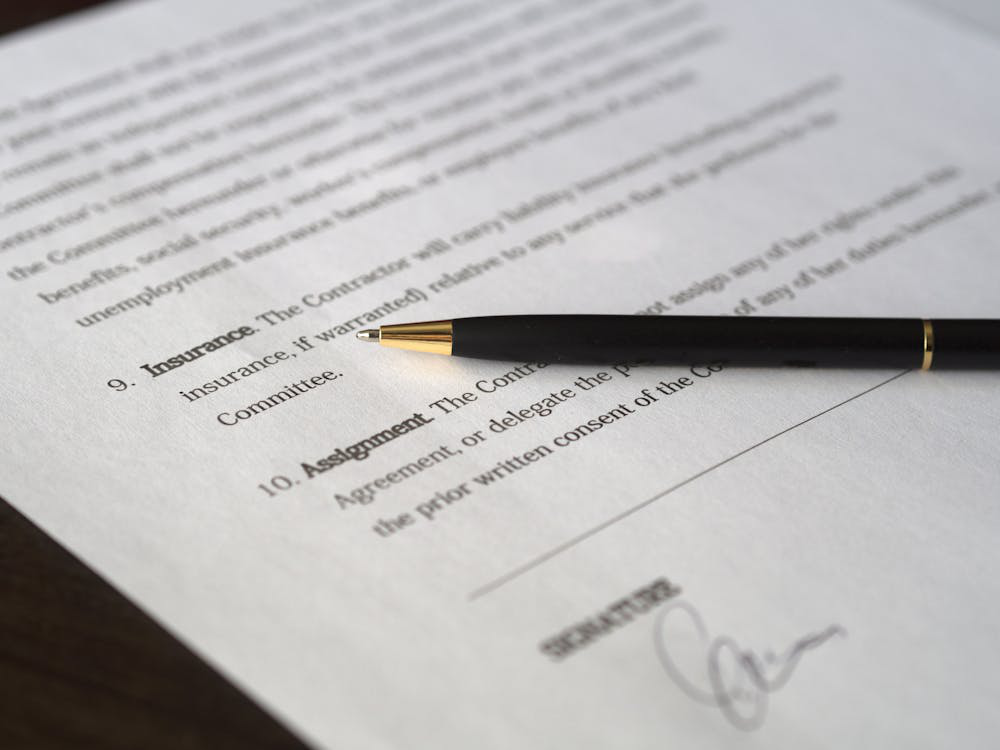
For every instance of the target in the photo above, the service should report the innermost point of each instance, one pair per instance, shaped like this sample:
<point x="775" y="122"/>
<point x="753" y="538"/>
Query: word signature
<point x="735" y="680"/>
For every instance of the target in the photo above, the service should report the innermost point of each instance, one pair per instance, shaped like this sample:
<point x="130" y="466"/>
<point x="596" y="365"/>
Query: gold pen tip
<point x="370" y="334"/>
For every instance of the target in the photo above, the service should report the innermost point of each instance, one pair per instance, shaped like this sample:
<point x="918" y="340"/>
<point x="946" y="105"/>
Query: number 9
<point x="118" y="385"/>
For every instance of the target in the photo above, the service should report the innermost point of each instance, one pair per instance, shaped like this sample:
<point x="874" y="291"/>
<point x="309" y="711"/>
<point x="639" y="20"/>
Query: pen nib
<point x="371" y="334"/>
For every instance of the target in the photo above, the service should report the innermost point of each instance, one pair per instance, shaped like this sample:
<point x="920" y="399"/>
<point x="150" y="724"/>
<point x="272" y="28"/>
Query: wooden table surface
<point x="80" y="665"/>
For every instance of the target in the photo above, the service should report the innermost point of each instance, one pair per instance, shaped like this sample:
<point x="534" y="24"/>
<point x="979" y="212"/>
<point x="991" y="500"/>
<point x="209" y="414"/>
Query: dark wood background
<point x="80" y="665"/>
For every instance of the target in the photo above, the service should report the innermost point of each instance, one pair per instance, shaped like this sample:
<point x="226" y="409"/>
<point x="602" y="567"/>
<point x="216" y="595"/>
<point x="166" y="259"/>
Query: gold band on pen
<point x="433" y="337"/>
<point x="928" y="345"/>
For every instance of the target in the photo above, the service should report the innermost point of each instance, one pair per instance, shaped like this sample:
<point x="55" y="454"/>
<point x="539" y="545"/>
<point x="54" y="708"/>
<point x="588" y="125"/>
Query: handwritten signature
<point x="736" y="680"/>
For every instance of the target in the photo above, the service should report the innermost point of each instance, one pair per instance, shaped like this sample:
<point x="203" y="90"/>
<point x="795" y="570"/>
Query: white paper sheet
<point x="729" y="558"/>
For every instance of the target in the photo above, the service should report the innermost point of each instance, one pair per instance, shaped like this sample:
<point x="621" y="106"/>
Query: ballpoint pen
<point x="767" y="341"/>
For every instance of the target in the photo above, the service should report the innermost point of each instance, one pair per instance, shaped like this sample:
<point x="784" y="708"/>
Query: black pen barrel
<point x="966" y="344"/>
<point x="678" y="339"/>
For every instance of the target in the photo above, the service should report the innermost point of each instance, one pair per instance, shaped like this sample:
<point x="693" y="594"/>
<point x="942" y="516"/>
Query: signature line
<point x="519" y="571"/>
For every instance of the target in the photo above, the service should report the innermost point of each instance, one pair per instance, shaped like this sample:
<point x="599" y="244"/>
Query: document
<point x="203" y="202"/>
